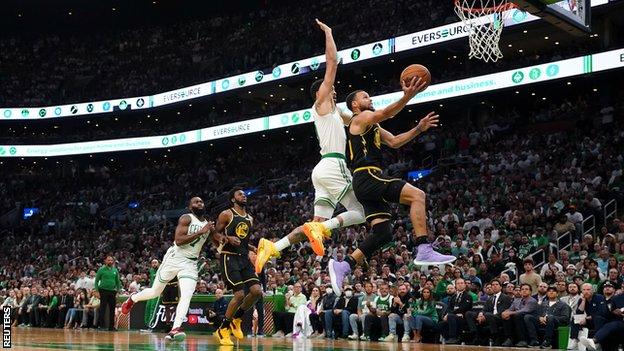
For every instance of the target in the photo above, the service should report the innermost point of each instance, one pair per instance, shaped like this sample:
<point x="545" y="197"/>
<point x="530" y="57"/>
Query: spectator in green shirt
<point x="424" y="314"/>
<point x="107" y="284"/>
<point x="53" y="308"/>
<point x="284" y="320"/>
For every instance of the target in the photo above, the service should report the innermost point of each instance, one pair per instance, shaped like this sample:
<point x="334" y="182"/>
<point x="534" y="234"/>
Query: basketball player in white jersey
<point x="181" y="261"/>
<point x="331" y="176"/>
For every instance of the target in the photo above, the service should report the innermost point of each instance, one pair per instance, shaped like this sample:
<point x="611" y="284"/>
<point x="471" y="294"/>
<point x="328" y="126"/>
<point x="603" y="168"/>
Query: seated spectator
<point x="423" y="314"/>
<point x="573" y="297"/>
<point x="454" y="321"/>
<point x="490" y="317"/>
<point x="345" y="306"/>
<point x="302" y="323"/>
<point x="379" y="312"/>
<point x="23" y="311"/>
<point x="552" y="313"/>
<point x="13" y="303"/>
<point x="594" y="309"/>
<point x="365" y="303"/>
<point x="513" y="318"/>
<point x="608" y="337"/>
<point x="315" y="305"/>
<point x="75" y="314"/>
<point x="66" y="302"/>
<point x="91" y="309"/>
<point x="541" y="295"/>
<point x="52" y="310"/>
<point x="219" y="307"/>
<point x="284" y="320"/>
<point x="398" y="313"/>
<point x="328" y="302"/>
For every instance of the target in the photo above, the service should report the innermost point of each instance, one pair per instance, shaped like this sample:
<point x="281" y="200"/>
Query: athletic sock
<point x="332" y="223"/>
<point x="225" y="324"/>
<point x="282" y="243"/>
<point x="419" y="240"/>
<point x="239" y="313"/>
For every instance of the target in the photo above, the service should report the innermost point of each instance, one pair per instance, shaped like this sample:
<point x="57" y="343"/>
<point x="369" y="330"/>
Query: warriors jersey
<point x="364" y="150"/>
<point x="240" y="227"/>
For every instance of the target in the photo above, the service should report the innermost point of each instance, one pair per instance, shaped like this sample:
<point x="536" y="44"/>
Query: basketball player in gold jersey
<point x="232" y="233"/>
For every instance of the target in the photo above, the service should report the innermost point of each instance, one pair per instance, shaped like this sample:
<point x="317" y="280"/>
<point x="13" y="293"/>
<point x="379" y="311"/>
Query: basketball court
<point x="55" y="339"/>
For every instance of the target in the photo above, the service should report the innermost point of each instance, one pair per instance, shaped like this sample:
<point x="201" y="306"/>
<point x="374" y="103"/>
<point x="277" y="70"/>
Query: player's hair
<point x="350" y="99"/>
<point x="233" y="192"/>
<point x="525" y="284"/>
<point x="315" y="87"/>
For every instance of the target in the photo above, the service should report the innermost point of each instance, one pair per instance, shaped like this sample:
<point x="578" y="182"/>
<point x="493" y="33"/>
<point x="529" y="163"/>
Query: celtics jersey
<point x="383" y="303"/>
<point x="240" y="227"/>
<point x="193" y="249"/>
<point x="364" y="150"/>
<point x="330" y="131"/>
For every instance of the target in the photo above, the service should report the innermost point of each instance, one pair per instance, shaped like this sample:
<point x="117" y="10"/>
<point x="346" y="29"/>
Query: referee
<point x="107" y="284"/>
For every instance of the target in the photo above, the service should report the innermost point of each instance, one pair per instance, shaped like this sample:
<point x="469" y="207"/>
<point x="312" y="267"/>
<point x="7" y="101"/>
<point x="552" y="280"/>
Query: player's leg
<point x="255" y="292"/>
<point x="334" y="183"/>
<point x="374" y="192"/>
<point x="166" y="272"/>
<point x="254" y="289"/>
<point x="415" y="199"/>
<point x="186" y="284"/>
<point x="268" y="249"/>
<point x="230" y="273"/>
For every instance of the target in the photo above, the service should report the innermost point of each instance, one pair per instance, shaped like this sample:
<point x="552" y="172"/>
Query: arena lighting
<point x="420" y="39"/>
<point x="577" y="66"/>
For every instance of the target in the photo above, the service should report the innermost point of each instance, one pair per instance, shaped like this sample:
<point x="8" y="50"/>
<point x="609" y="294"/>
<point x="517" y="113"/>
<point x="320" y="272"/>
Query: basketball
<point x="414" y="70"/>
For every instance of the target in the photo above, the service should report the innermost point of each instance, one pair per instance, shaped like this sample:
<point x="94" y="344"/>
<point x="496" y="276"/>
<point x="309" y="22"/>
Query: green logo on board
<point x="552" y="70"/>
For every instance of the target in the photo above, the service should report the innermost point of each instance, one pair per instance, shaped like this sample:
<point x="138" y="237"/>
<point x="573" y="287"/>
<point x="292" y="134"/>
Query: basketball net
<point x="485" y="20"/>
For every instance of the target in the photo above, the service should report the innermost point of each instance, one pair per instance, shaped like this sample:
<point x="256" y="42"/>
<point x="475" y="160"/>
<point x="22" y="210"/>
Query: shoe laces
<point x="436" y="243"/>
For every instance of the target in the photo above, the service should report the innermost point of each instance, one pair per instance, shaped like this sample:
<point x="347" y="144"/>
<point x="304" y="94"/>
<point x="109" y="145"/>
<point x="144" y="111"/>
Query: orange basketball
<point x="416" y="70"/>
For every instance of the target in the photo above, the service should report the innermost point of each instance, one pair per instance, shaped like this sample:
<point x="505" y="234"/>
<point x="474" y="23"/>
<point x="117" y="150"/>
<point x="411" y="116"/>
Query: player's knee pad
<point x="382" y="234"/>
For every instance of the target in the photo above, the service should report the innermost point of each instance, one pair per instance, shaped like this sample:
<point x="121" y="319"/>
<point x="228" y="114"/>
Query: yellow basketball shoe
<point x="266" y="250"/>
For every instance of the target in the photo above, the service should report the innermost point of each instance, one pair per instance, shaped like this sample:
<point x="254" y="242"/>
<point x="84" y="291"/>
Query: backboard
<point x="573" y="16"/>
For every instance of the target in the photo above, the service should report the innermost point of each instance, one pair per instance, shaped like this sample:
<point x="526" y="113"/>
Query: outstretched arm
<point x="410" y="90"/>
<point x="324" y="104"/>
<point x="396" y="141"/>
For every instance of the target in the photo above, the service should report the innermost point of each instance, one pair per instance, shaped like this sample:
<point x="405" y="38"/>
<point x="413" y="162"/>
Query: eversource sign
<point x="508" y="79"/>
<point x="360" y="53"/>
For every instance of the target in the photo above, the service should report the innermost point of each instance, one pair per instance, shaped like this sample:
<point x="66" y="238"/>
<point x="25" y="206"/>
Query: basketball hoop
<point x="485" y="20"/>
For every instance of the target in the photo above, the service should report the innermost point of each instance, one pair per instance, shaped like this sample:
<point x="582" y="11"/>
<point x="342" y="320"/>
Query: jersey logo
<point x="242" y="229"/>
<point x="377" y="138"/>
